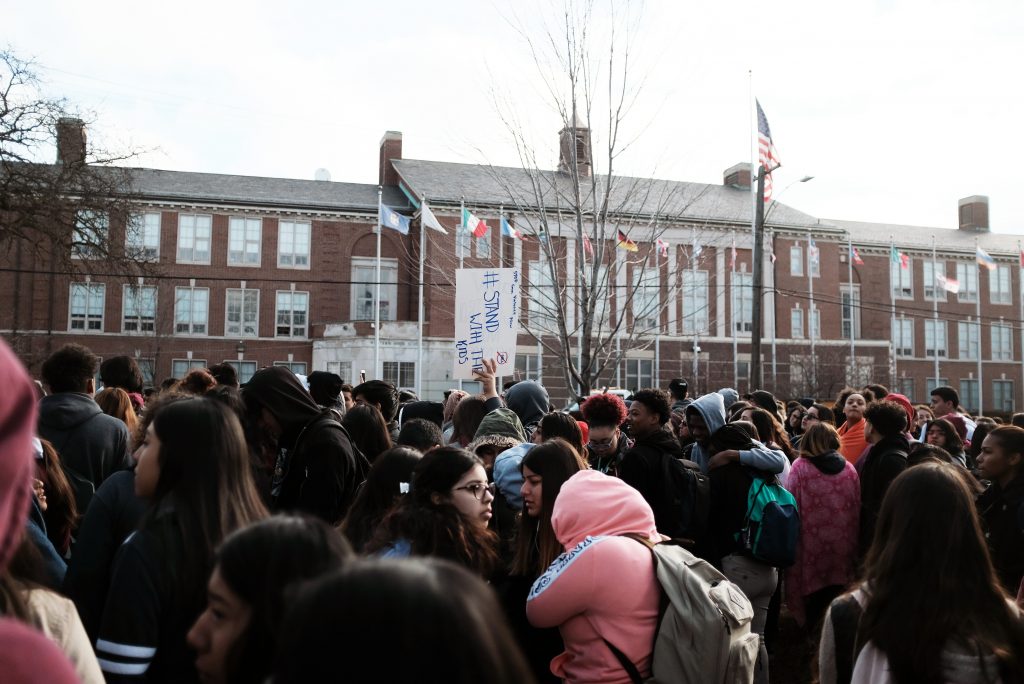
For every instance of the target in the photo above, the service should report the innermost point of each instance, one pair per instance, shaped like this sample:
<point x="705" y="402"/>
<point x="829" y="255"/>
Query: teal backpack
<point x="771" y="527"/>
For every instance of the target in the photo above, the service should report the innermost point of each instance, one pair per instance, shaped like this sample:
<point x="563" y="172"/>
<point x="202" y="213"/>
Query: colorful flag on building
<point x="947" y="284"/>
<point x="855" y="255"/>
<point x="767" y="157"/>
<point x="428" y="219"/>
<point x="984" y="259"/>
<point x="626" y="244"/>
<point x="508" y="231"/>
<point x="662" y="247"/>
<point x="898" y="257"/>
<point x="473" y="224"/>
<point x="389" y="218"/>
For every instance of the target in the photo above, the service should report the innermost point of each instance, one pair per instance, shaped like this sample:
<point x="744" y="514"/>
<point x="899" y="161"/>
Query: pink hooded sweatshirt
<point x="603" y="586"/>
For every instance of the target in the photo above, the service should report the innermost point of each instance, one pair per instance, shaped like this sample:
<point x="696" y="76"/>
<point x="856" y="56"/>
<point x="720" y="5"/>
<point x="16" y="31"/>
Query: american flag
<point x="767" y="157"/>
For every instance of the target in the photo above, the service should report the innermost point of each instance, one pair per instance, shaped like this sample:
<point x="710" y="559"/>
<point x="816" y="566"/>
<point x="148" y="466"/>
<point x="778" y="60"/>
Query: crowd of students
<point x="295" y="529"/>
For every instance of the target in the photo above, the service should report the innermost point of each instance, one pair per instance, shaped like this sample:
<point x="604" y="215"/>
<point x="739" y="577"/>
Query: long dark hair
<point x="558" y="424"/>
<point x="770" y="430"/>
<point x="369" y="431"/>
<point x="466" y="419"/>
<point x="954" y="444"/>
<point x="378" y="494"/>
<point x="205" y="477"/>
<point x="445" y="625"/>
<point x="931" y="579"/>
<point x="436" y="528"/>
<point x="536" y="545"/>
<point x="61" y="514"/>
<point x="259" y="563"/>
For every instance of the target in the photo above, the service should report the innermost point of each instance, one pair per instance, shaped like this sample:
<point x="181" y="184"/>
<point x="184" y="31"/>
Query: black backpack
<point x="688" y="491"/>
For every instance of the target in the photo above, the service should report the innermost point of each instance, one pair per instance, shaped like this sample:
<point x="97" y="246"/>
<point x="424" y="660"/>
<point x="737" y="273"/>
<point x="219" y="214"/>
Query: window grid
<point x="89" y="238"/>
<point x="1002" y="396"/>
<point x="86" y="307"/>
<point x="297" y="367"/>
<point x="364" y="288"/>
<point x="541" y="295"/>
<point x="1002" y="342"/>
<point x="639" y="373"/>
<point x="646" y="313"/>
<point x="528" y="367"/>
<point x="194" y="234"/>
<point x="934" y="338"/>
<point x="969" y="394"/>
<point x="245" y="237"/>
<point x="903" y="336"/>
<point x="138" y="309"/>
<point x="343" y="369"/>
<point x="293" y="244"/>
<point x="242" y="313"/>
<point x="930" y="272"/>
<point x="483" y="245"/>
<point x="902" y="279"/>
<point x="292" y="313"/>
<point x="742" y="302"/>
<point x="180" y="367"/>
<point x="999" y="284"/>
<point x="695" y="302"/>
<point x="796" y="260"/>
<point x="244" y="369"/>
<point x="850" y="314"/>
<point x="967" y="276"/>
<point x="796" y="322"/>
<point x="142" y="236"/>
<point x="191" y="309"/>
<point x="400" y="373"/>
<point x="968" y="336"/>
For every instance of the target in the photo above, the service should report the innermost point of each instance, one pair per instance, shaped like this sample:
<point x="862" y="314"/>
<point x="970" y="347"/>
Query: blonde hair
<point x="818" y="439"/>
<point x="115" y="402"/>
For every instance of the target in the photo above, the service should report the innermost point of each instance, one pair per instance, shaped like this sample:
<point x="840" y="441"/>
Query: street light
<point x="756" y="375"/>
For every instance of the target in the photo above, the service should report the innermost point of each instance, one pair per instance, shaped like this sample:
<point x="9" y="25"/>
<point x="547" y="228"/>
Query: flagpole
<point x="977" y="315"/>
<point x="935" y="317"/>
<point x="501" y="264"/>
<point x="376" y="302"/>
<point x="419" y="346"/>
<point x="1020" y="296"/>
<point x="735" y="319"/>
<point x="853" y="320"/>
<point x="774" y="312"/>
<point x="693" y="287"/>
<point x="458" y="244"/>
<point x="810" y="315"/>
<point x="892" y="304"/>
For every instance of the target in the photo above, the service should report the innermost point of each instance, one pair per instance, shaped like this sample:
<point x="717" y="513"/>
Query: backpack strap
<point x="753" y="502"/>
<point x="627" y="664"/>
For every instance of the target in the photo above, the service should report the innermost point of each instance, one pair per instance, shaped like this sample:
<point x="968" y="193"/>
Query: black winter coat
<point x="1002" y="518"/>
<point x="883" y="463"/>
<point x="642" y="469"/>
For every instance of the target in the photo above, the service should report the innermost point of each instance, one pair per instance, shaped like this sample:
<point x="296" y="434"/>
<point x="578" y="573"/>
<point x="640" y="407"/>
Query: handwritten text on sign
<point x="486" y="319"/>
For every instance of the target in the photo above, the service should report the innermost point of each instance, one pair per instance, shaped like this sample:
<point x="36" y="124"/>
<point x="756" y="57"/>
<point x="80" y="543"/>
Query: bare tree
<point x="67" y="214"/>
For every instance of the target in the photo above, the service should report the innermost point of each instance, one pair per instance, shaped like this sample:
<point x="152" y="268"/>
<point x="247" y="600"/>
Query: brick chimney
<point x="574" y="146"/>
<point x="70" y="141"/>
<point x="974" y="213"/>
<point x="390" y="148"/>
<point x="738" y="176"/>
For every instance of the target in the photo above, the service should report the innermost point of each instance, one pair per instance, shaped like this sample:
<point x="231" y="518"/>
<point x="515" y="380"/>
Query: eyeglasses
<point x="477" y="489"/>
<point x="808" y="416"/>
<point x="600" y="445"/>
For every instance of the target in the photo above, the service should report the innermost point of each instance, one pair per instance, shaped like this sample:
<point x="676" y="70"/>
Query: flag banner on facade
<point x="855" y="255"/>
<point x="486" y="319"/>
<point x="813" y="256"/>
<point x="588" y="248"/>
<point x="428" y="220"/>
<point x="898" y="257"/>
<point x="767" y="156"/>
<point x="947" y="284"/>
<point x="662" y="247"/>
<point x="389" y="218"/>
<point x="507" y="230"/>
<point x="473" y="224"/>
<point x="984" y="259"/>
<point x="626" y="244"/>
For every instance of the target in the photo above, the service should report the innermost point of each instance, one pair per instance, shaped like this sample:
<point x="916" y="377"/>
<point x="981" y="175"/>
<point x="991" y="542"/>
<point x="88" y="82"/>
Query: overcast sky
<point x="897" y="107"/>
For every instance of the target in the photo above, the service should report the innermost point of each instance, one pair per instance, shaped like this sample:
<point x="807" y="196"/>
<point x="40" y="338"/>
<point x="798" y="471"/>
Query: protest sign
<point x="486" y="319"/>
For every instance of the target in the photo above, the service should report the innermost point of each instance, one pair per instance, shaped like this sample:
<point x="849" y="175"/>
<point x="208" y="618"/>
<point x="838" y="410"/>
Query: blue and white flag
<point x="389" y="218"/>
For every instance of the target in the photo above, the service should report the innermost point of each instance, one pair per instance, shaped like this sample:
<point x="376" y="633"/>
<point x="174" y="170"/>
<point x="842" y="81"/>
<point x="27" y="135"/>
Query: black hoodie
<point x="643" y="470"/>
<point x="318" y="470"/>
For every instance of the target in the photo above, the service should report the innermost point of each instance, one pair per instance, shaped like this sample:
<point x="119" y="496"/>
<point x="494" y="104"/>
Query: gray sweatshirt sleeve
<point x="763" y="458"/>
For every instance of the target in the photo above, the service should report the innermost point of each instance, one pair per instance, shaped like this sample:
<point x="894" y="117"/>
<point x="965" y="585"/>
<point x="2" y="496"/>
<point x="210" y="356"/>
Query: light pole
<point x="756" y="375"/>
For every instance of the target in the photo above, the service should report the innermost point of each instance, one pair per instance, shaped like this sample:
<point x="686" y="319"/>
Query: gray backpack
<point x="703" y="633"/>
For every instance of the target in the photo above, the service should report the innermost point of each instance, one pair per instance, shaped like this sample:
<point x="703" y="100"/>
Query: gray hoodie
<point x="89" y="442"/>
<point x="711" y="407"/>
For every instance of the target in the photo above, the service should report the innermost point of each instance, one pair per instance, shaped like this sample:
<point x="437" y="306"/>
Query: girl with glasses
<point x="445" y="513"/>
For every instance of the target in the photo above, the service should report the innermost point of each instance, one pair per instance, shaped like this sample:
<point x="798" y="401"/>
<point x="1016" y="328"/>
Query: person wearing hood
<point x="325" y="388"/>
<point x="706" y="415"/>
<point x="91" y="444"/>
<point x="827" y="492"/>
<point x="590" y="516"/>
<point x="729" y="397"/>
<point x="499" y="431"/>
<point x="530" y="402"/>
<point x="317" y="471"/>
<point x="884" y="425"/>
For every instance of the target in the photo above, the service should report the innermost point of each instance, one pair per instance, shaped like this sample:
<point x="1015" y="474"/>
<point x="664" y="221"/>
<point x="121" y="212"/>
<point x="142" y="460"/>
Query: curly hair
<point x="198" y="381"/>
<point x="604" y="410"/>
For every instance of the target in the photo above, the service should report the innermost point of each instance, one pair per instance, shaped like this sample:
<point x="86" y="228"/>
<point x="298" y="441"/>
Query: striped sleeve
<point x="130" y="629"/>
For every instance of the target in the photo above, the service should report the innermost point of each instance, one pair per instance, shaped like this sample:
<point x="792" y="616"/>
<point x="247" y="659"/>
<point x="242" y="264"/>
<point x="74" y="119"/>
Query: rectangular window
<point x="87" y="304"/>
<point x="181" y="367"/>
<point x="601" y="293"/>
<point x="463" y="240"/>
<point x="483" y="245"/>
<point x="967" y="276"/>
<point x="142" y="236"/>
<point x="138" y="309"/>
<point x="194" y="234"/>
<point x="934" y="338"/>
<point x="968" y="336"/>
<point x="902" y="279"/>
<point x="528" y="367"/>
<point x="364" y="288"/>
<point x="796" y="260"/>
<point x="742" y="302"/>
<point x="850" y="314"/>
<point x="245" y="237"/>
<point x="293" y="244"/>
<point x="191" y="309"/>
<point x="400" y="373"/>
<point x="796" y="322"/>
<point x="695" y="302"/>
<point x="930" y="271"/>
<point x="245" y="370"/>
<point x="148" y="369"/>
<point x="907" y="388"/>
<point x="814" y="260"/>
<point x="999" y="284"/>
<point x="1002" y="342"/>
<point x="343" y="369"/>
<point x="931" y="384"/>
<point x="815" y="318"/>
<point x="646" y="307"/>
<point x="292" y="313"/>
<point x="297" y="367"/>
<point x="541" y="295"/>
<point x="903" y="336"/>
<point x="639" y="373"/>
<point x="1002" y="396"/>
<point x="969" y="394"/>
<point x="242" y="313"/>
<point x="89" y="239"/>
